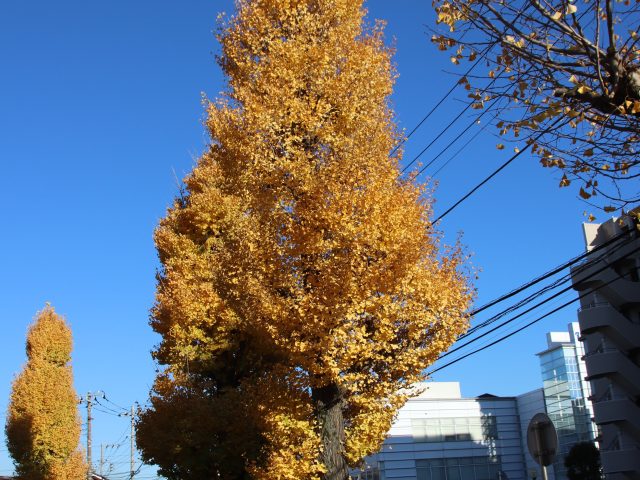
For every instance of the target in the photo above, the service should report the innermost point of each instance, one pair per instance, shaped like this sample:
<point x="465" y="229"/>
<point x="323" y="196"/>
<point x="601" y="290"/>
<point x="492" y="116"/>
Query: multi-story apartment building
<point x="609" y="318"/>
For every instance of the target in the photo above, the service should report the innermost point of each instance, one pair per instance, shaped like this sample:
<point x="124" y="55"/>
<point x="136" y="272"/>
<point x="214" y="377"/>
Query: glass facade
<point x="565" y="401"/>
<point x="476" y="429"/>
<point x="463" y="468"/>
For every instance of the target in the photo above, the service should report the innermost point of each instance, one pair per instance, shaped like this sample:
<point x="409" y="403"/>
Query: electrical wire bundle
<point x="537" y="301"/>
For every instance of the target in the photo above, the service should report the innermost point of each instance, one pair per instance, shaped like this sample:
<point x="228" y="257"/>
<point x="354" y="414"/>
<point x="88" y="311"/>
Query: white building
<point x="439" y="435"/>
<point x="609" y="318"/>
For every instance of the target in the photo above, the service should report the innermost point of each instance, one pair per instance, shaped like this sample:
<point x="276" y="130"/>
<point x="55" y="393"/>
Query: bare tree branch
<point x="546" y="60"/>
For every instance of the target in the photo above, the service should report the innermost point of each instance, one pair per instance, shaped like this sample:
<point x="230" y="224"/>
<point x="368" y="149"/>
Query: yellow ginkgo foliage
<point x="298" y="268"/>
<point x="43" y="425"/>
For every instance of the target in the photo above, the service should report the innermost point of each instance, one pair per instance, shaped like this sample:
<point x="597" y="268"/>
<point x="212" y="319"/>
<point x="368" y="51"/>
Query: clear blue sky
<point x="101" y="101"/>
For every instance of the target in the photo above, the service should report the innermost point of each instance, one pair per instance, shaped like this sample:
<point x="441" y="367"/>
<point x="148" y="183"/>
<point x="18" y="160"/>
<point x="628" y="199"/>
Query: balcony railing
<point x="612" y="446"/>
<point x="593" y="305"/>
<point x="601" y="349"/>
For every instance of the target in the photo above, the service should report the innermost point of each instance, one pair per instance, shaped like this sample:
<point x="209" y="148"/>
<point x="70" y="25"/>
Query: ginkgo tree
<point x="43" y="424"/>
<point x="563" y="77"/>
<point x="302" y="287"/>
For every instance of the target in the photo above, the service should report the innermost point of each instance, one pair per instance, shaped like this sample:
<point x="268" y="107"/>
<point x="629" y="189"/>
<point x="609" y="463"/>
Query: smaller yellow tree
<point x="43" y="425"/>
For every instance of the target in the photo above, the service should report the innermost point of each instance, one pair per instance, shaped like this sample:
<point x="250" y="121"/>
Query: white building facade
<point x="439" y="435"/>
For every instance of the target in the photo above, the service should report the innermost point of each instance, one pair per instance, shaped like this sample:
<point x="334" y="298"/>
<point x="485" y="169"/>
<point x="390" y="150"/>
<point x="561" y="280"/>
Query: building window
<point x="463" y="468"/>
<point x="367" y="473"/>
<point x="475" y="429"/>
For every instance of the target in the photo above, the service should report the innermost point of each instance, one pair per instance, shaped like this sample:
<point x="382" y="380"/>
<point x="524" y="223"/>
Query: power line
<point x="459" y="136"/>
<point x="112" y="455"/>
<point x="550" y="273"/>
<point x="451" y="143"/>
<point x="538" y="293"/>
<point x="106" y="412"/>
<point x="121" y="438"/>
<point x="517" y="306"/>
<point x="465" y="145"/>
<point x="521" y="321"/>
<point x="481" y="57"/>
<point x="437" y="105"/>
<point x="521" y="314"/>
<point x="501" y="339"/>
<point x="539" y="304"/>
<point x="111" y="410"/>
<point x="498" y="170"/>
<point x="504" y="337"/>
<point x="444" y="130"/>
<point x="115" y="404"/>
<point x="459" y="115"/>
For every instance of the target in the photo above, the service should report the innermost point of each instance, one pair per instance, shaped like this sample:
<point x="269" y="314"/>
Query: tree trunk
<point x="328" y="406"/>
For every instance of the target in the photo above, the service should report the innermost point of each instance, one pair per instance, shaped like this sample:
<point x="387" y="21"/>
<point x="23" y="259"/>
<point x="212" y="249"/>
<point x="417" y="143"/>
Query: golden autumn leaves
<point x="302" y="284"/>
<point x="43" y="426"/>
<point x="302" y="287"/>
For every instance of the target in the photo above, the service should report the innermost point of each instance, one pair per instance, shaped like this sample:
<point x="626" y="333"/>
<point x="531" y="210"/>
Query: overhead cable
<point x="495" y="172"/>
<point x="501" y="339"/>
<point x="529" y="310"/>
<point x="437" y="105"/>
<point x="550" y="273"/>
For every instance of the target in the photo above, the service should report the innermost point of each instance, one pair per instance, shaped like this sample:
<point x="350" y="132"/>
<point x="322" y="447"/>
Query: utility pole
<point x="91" y="396"/>
<point x="133" y="425"/>
<point x="101" y="457"/>
<point x="89" y="401"/>
<point x="132" y="436"/>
